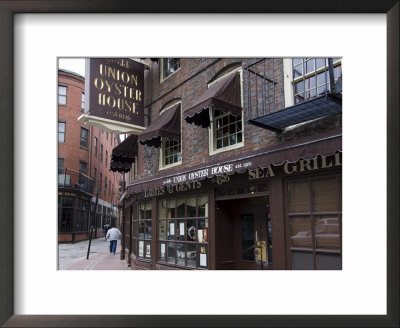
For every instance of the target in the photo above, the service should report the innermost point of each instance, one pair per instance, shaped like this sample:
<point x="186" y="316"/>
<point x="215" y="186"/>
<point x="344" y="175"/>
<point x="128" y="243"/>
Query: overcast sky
<point x="76" y="65"/>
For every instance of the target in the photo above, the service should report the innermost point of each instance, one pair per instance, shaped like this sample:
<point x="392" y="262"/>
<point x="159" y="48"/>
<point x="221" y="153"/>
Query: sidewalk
<point x="73" y="256"/>
<point x="101" y="261"/>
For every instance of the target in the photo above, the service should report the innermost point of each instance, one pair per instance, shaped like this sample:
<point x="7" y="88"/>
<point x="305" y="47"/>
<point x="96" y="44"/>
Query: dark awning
<point x="167" y="125"/>
<point x="124" y="154"/>
<point x="224" y="96"/>
<point x="303" y="112"/>
<point x="327" y="143"/>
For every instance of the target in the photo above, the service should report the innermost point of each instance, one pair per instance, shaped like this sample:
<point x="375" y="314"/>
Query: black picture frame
<point x="8" y="197"/>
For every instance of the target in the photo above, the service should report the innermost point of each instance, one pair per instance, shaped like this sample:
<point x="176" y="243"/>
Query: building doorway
<point x="243" y="234"/>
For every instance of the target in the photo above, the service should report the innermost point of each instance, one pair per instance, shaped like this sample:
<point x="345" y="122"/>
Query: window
<point x="62" y="95"/>
<point x="61" y="131"/>
<point x="169" y="66"/>
<point x="226" y="131"/>
<point x="311" y="77"/>
<point x="60" y="165"/>
<point x="95" y="146"/>
<point x="94" y="176"/>
<point x="105" y="186"/>
<point x="106" y="158"/>
<point x="101" y="153"/>
<point x="170" y="152"/>
<point x="84" y="138"/>
<point x="83" y="102"/>
<point x="100" y="182"/>
<point x="82" y="167"/>
<point x="183" y="231"/>
<point x="143" y="230"/>
<point x="315" y="223"/>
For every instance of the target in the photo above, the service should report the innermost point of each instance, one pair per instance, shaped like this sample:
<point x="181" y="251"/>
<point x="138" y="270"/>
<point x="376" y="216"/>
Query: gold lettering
<point x="111" y="72"/>
<point x="252" y="175"/>
<point x="286" y="168"/>
<point x="113" y="101"/>
<point x="324" y="165"/>
<point x="315" y="162"/>
<point x="259" y="173"/>
<point x="96" y="81"/>
<point x="270" y="172"/>
<point x="337" y="159"/>
<point x="304" y="164"/>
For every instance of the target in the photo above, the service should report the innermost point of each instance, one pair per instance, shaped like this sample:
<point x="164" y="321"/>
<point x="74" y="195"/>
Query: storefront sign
<point x="161" y="191"/>
<point x="303" y="165"/>
<point x="114" y="90"/>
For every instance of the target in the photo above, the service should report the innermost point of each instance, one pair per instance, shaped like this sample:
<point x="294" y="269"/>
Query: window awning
<point x="224" y="96"/>
<point x="124" y="154"/>
<point x="325" y="144"/>
<point x="310" y="110"/>
<point x="167" y="125"/>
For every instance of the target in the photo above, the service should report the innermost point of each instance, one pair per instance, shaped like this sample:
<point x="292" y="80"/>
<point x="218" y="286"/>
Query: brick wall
<point x="71" y="150"/>
<point x="188" y="84"/>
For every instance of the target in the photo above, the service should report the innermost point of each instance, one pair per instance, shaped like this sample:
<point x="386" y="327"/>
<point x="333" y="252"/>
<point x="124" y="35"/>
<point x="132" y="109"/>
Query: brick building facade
<point x="243" y="170"/>
<point x="84" y="154"/>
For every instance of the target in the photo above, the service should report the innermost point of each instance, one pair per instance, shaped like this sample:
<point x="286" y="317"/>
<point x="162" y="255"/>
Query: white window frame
<point x="83" y="102"/>
<point x="161" y="165"/>
<point x="212" y="140"/>
<point x="58" y="94"/>
<point x="289" y="81"/>
<point x="162" y="77"/>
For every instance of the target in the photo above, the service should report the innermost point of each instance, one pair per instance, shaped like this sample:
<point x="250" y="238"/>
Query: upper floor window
<point x="60" y="165"/>
<point x="82" y="167"/>
<point x="106" y="158"/>
<point x="84" y="137"/>
<point x="311" y="77"/>
<point x="83" y="102"/>
<point x="101" y="152"/>
<point x="61" y="131"/>
<point x="62" y="95"/>
<point x="170" y="152"/>
<point x="169" y="66"/>
<point x="226" y="131"/>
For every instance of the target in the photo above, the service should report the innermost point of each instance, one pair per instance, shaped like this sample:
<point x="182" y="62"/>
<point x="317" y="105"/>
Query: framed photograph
<point x="33" y="35"/>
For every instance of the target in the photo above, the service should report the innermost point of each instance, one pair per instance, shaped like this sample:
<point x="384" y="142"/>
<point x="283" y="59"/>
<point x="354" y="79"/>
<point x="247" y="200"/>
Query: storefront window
<point x="144" y="229"/>
<point x="314" y="214"/>
<point x="183" y="231"/>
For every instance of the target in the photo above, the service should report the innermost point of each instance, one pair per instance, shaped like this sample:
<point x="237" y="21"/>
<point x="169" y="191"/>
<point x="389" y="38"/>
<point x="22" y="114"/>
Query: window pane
<point x="180" y="207"/>
<point x="191" y="230"/>
<point x="191" y="255"/>
<point x="180" y="254"/>
<point x="300" y="232"/>
<point x="181" y="230"/>
<point x="321" y="62"/>
<point x="162" y="251"/>
<point x="310" y="66"/>
<point x="325" y="195"/>
<point x="327" y="232"/>
<point x="203" y="255"/>
<point x="202" y="231"/>
<point x="298" y="197"/>
<point x="191" y="206"/>
<point x="141" y="229"/>
<point x="171" y="253"/>
<point x="148" y="250"/>
<point x="162" y="229"/>
<point x="302" y="261"/>
<point x="171" y="230"/>
<point x="202" y="203"/>
<point x="148" y="229"/>
<point x="171" y="208"/>
<point x="329" y="262"/>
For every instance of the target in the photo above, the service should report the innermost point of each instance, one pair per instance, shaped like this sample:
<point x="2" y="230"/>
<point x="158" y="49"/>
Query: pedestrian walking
<point x="112" y="236"/>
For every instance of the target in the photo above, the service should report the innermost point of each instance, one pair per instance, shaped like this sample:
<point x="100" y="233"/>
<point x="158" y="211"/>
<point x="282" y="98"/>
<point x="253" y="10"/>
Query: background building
<point x="84" y="154"/>
<point x="239" y="168"/>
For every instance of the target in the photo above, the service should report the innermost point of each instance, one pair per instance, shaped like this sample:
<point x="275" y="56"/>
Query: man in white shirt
<point x="112" y="236"/>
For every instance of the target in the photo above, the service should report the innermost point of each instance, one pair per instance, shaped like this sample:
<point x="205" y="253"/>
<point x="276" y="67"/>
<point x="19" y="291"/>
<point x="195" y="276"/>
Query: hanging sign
<point x="114" y="94"/>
